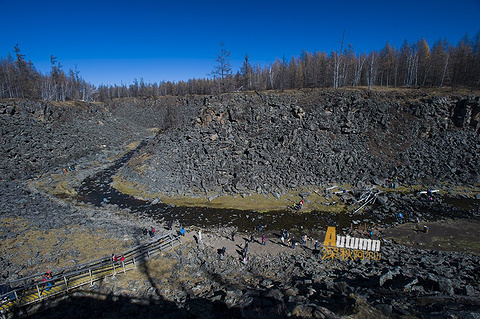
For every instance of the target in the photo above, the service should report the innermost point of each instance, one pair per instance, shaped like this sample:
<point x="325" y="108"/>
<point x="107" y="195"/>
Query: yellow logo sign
<point x="346" y="247"/>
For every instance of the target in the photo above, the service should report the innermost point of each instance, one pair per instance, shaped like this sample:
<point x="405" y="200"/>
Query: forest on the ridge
<point x="413" y="65"/>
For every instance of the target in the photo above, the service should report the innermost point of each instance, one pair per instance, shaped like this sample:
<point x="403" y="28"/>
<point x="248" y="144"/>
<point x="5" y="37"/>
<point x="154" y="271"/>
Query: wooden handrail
<point x="93" y="271"/>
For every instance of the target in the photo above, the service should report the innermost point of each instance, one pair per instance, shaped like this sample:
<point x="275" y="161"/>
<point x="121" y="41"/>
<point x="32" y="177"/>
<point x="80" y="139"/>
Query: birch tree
<point x="338" y="60"/>
<point x="371" y="70"/>
<point x="357" y="72"/>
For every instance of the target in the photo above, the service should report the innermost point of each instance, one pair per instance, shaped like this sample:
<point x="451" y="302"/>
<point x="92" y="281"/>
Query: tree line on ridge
<point x="414" y="65"/>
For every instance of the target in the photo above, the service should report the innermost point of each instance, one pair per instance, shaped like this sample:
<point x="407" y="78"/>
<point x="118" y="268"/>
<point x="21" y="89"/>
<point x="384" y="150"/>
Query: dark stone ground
<point x="432" y="275"/>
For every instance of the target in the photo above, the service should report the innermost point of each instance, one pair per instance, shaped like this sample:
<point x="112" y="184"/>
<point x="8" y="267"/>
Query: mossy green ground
<point x="318" y="198"/>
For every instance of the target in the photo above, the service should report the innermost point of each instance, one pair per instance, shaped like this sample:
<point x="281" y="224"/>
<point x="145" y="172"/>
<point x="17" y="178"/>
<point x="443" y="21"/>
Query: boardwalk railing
<point x="32" y="289"/>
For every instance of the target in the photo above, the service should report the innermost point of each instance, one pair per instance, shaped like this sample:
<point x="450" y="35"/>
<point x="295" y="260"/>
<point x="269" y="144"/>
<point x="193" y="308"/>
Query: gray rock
<point x="275" y="294"/>
<point x="386" y="310"/>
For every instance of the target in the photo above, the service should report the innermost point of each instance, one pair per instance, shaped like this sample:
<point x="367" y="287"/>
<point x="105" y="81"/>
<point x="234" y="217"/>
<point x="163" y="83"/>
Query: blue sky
<point x="113" y="42"/>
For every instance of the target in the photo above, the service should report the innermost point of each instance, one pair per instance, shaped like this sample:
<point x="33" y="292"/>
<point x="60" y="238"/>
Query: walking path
<point x="273" y="244"/>
<point x="36" y="288"/>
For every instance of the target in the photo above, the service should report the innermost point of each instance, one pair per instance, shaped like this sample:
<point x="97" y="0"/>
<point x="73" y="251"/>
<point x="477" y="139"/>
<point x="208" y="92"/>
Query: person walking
<point x="263" y="239"/>
<point x="47" y="277"/>
<point x="152" y="232"/>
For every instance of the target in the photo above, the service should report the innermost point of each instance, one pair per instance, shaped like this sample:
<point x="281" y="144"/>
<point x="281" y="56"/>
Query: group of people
<point x="299" y="205"/>
<point x="150" y="232"/>
<point x="291" y="242"/>
<point x="68" y="169"/>
<point x="392" y="183"/>
<point x="400" y="219"/>
<point x="116" y="259"/>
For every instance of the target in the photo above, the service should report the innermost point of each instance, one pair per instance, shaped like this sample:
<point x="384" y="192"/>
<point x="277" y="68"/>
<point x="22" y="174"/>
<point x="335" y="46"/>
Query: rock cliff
<point x="271" y="143"/>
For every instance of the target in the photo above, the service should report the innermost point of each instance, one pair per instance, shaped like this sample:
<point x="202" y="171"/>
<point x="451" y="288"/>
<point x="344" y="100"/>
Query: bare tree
<point x="246" y="72"/>
<point x="223" y="69"/>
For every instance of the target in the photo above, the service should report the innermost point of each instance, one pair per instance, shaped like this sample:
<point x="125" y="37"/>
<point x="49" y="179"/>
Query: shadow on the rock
<point x="86" y="304"/>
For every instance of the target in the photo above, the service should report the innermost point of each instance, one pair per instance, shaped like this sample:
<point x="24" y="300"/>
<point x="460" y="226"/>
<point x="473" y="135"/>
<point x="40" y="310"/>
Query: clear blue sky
<point x="117" y="41"/>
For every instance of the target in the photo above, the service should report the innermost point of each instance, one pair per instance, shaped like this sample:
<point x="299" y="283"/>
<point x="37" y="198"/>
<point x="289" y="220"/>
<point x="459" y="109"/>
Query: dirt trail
<point x="273" y="244"/>
<point x="462" y="235"/>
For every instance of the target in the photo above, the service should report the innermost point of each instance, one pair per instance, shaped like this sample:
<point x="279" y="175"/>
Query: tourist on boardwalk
<point x="182" y="231"/>
<point x="47" y="277"/>
<point x="316" y="244"/>
<point x="263" y="239"/>
<point x="122" y="259"/>
<point x="7" y="292"/>
<point x="152" y="232"/>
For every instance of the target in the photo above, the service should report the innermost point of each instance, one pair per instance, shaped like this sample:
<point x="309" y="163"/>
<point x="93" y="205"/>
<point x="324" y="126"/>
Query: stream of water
<point x="96" y="189"/>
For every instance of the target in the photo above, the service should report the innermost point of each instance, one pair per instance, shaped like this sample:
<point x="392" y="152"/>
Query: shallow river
<point x="97" y="188"/>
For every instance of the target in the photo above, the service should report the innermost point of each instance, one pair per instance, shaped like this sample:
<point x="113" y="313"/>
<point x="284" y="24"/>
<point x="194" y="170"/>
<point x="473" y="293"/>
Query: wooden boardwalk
<point x="33" y="289"/>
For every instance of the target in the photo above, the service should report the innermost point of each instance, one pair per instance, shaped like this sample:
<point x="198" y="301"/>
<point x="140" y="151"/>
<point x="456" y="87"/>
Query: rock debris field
<point x="242" y="144"/>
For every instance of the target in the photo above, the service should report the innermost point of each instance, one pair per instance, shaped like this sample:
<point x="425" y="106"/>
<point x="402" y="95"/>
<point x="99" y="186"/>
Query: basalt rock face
<point x="269" y="143"/>
<point x="38" y="137"/>
<point x="252" y="142"/>
<point x="404" y="282"/>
